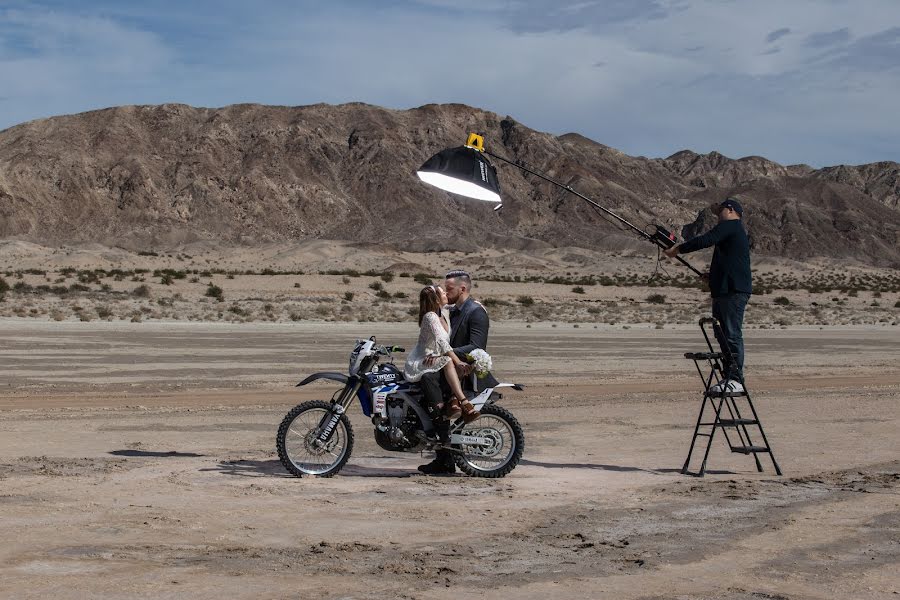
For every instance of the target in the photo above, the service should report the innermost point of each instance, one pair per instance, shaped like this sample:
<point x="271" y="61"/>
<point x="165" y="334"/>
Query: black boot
<point x="443" y="463"/>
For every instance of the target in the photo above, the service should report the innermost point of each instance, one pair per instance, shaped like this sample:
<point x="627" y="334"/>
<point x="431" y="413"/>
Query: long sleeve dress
<point x="434" y="340"/>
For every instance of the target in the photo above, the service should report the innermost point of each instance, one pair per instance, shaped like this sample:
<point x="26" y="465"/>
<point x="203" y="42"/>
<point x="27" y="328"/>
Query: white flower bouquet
<point x="481" y="361"/>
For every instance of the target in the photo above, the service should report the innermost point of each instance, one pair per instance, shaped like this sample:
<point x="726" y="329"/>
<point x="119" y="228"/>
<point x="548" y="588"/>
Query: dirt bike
<point x="315" y="438"/>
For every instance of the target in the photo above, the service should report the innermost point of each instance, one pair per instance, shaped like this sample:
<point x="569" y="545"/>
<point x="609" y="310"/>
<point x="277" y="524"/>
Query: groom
<point x="469" y="326"/>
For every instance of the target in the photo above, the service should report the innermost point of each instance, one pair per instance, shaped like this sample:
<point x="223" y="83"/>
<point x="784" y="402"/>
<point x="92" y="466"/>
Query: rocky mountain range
<point x="151" y="177"/>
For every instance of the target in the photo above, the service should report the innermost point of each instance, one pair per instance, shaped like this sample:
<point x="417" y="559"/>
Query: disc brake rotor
<point x="315" y="448"/>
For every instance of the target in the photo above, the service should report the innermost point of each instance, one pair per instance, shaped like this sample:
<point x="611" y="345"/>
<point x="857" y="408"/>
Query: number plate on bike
<point x="469" y="440"/>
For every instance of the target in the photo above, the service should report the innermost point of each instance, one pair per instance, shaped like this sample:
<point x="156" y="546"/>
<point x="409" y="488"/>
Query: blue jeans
<point x="728" y="310"/>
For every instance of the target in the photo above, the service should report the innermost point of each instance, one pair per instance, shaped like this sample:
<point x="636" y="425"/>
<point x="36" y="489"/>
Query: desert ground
<point x="137" y="461"/>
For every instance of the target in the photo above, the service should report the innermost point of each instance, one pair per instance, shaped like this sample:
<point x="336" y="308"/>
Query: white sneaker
<point x="729" y="386"/>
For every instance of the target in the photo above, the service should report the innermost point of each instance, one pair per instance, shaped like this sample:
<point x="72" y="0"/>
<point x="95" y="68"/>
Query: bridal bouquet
<point x="481" y="360"/>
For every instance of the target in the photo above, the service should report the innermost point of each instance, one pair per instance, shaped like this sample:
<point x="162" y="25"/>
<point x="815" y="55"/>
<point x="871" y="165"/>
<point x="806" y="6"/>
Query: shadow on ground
<point x="274" y="468"/>
<point x="614" y="468"/>
<point x="148" y="453"/>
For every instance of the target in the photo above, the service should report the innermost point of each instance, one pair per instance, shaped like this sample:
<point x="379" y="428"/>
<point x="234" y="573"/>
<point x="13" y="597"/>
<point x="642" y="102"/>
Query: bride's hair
<point x="429" y="301"/>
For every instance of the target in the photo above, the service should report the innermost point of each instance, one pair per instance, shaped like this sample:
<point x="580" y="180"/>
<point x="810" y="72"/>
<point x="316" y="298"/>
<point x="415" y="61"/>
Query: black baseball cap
<point x="733" y="205"/>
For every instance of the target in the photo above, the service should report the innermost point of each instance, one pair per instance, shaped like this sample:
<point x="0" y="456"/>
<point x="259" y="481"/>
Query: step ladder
<point x="725" y="408"/>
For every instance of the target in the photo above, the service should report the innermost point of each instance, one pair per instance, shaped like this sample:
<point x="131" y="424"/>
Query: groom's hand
<point x="464" y="370"/>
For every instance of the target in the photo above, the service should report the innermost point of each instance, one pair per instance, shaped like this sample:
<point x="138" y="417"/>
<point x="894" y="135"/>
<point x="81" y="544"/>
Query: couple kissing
<point x="452" y="325"/>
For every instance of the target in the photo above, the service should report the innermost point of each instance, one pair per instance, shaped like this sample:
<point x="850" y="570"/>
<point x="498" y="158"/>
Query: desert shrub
<point x="345" y="280"/>
<point x="348" y="296"/>
<point x="897" y="304"/>
<point x="376" y="285"/>
<point x="236" y="309"/>
<point x="214" y="291"/>
<point x="422" y="278"/>
<point x="401" y="295"/>
<point x="4" y="287"/>
<point x="525" y="300"/>
<point x="578" y="289"/>
<point x="489" y="302"/>
<point x="104" y="311"/>
<point x="323" y="311"/>
<point x="781" y="301"/>
<point x="167" y="279"/>
<point x="269" y="307"/>
<point x="383" y="294"/>
<point x="656" y="299"/>
<point x="147" y="253"/>
<point x="387" y="277"/>
<point x="88" y="277"/>
<point x="268" y="272"/>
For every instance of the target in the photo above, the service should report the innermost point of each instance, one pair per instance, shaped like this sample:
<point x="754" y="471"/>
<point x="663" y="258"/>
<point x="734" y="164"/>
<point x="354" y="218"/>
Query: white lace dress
<point x="434" y="340"/>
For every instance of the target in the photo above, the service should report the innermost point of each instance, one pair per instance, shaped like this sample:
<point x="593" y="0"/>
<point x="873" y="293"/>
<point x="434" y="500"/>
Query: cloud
<point x="828" y="38"/>
<point x="876" y="53"/>
<point x="649" y="77"/>
<point x="777" y="34"/>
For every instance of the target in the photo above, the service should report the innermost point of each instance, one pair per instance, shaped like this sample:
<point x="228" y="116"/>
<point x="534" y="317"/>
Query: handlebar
<point x="390" y="349"/>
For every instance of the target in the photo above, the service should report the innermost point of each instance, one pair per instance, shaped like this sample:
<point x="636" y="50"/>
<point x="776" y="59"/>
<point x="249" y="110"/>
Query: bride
<point x="434" y="340"/>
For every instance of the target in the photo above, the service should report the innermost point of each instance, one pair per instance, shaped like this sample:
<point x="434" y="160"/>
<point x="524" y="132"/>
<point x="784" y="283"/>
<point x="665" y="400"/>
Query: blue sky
<point x="814" y="81"/>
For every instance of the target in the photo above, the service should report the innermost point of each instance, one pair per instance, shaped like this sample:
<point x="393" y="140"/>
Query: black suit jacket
<point x="469" y="330"/>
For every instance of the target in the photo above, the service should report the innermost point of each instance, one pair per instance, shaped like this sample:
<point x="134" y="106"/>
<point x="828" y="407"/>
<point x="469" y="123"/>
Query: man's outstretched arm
<point x="710" y="238"/>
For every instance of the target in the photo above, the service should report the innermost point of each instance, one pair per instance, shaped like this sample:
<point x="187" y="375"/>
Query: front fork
<point x="339" y="406"/>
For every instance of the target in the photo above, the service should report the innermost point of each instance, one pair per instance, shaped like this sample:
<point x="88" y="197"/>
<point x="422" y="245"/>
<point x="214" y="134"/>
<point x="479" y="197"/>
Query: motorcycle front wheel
<point x="502" y="455"/>
<point x="296" y="441"/>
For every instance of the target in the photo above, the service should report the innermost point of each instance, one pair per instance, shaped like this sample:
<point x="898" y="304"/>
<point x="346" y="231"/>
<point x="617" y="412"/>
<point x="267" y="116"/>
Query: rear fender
<point x="489" y="395"/>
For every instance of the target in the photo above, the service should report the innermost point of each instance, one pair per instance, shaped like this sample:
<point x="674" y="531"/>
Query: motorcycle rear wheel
<point x="296" y="437"/>
<point x="497" y="461"/>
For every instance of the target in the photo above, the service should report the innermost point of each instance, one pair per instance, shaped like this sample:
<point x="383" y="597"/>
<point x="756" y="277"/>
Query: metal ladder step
<point x="702" y="355"/>
<point x="725" y="395"/>
<point x="734" y="422"/>
<point x="749" y="449"/>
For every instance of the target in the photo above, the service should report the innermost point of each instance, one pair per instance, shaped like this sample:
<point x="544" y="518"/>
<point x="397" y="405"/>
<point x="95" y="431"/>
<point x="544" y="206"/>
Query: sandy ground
<point x="137" y="461"/>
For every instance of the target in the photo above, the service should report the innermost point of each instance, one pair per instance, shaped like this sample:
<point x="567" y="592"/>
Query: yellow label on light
<point x="475" y="142"/>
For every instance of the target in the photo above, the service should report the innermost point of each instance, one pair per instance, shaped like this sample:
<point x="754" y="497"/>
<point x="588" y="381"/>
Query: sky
<point x="796" y="81"/>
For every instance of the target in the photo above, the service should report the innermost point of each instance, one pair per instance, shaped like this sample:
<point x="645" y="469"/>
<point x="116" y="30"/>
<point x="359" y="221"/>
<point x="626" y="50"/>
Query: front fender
<point x="339" y="377"/>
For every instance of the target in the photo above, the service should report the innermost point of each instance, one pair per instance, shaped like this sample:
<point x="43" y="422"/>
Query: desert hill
<point x="146" y="177"/>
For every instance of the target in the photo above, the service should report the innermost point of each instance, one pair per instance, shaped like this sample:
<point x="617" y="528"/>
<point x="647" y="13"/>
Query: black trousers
<point x="434" y="387"/>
